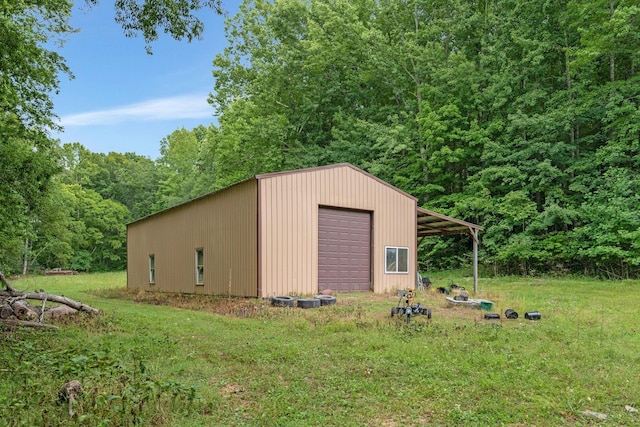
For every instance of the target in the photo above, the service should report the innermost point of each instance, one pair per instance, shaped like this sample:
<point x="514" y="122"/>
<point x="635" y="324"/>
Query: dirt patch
<point x="230" y="389"/>
<point x="241" y="307"/>
<point x="359" y="306"/>
<point x="448" y="312"/>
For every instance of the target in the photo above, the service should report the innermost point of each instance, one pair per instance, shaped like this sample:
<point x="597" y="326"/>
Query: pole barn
<point x="295" y="232"/>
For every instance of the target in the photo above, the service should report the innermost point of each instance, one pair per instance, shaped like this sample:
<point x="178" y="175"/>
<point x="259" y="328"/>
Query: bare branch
<point x="6" y="283"/>
<point x="14" y="322"/>
<point x="53" y="298"/>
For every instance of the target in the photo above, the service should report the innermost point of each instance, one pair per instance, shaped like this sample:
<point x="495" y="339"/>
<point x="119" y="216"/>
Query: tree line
<point x="522" y="117"/>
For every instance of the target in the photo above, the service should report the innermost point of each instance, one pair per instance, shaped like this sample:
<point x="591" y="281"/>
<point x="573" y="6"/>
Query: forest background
<point x="522" y="117"/>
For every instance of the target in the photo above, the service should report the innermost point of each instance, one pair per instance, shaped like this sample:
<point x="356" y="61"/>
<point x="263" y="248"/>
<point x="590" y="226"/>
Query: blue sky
<point x="123" y="99"/>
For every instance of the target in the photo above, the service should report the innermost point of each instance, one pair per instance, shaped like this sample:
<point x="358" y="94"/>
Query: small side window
<point x="396" y="260"/>
<point x="200" y="266"/>
<point x="152" y="269"/>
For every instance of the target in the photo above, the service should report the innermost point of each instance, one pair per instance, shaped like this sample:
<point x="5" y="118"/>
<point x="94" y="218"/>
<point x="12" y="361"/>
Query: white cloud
<point x="177" y="107"/>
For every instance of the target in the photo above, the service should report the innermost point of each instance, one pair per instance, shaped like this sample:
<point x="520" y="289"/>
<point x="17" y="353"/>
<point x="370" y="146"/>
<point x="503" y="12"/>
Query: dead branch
<point x="44" y="303"/>
<point x="61" y="299"/>
<point x="6" y="283"/>
<point x="16" y="311"/>
<point x="14" y="322"/>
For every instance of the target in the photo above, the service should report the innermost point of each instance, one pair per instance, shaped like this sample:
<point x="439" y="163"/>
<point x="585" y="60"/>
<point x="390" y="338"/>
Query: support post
<point x="475" y="261"/>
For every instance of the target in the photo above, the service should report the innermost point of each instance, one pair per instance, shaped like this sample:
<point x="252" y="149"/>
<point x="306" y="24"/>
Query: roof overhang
<point x="434" y="224"/>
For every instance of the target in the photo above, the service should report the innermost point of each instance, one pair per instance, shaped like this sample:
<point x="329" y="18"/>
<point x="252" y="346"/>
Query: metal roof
<point x="434" y="224"/>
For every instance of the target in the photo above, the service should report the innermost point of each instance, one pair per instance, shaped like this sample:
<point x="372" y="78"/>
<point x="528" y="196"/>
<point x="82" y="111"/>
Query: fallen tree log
<point x="5" y="311"/>
<point x="13" y="322"/>
<point x="42" y="296"/>
<point x="11" y="292"/>
<point x="58" y="312"/>
<point x="23" y="311"/>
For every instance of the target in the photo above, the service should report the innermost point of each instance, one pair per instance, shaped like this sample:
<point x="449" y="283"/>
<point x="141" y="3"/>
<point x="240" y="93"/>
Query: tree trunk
<point x="43" y="296"/>
<point x="25" y="261"/>
<point x="612" y="57"/>
<point x="5" y="311"/>
<point x="59" y="311"/>
<point x="23" y="310"/>
<point x="53" y="298"/>
<point x="14" y="322"/>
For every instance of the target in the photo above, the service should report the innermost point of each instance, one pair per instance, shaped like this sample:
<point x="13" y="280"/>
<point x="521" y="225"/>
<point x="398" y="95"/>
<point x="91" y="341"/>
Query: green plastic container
<point x="486" y="305"/>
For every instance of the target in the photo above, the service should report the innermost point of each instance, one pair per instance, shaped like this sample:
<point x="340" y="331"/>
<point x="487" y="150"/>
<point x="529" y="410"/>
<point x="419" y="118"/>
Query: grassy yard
<point x="201" y="361"/>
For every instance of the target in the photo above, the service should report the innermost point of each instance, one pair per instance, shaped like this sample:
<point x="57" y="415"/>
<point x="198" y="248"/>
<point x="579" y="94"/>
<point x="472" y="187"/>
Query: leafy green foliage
<point x="30" y="69"/>
<point x="118" y="387"/>
<point x="611" y="239"/>
<point x="521" y="117"/>
<point x="506" y="114"/>
<point x="28" y="74"/>
<point x="129" y="179"/>
<point x="175" y="17"/>
<point x="181" y="177"/>
<point x="25" y="178"/>
<point x="103" y="232"/>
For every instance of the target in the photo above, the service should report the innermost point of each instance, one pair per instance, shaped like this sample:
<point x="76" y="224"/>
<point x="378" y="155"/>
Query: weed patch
<point x="118" y="388"/>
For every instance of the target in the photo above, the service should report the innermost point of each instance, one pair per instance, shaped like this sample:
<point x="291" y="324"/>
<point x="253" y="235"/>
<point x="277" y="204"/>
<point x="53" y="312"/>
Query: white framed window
<point x="200" y="266"/>
<point x="396" y="260"/>
<point x="152" y="268"/>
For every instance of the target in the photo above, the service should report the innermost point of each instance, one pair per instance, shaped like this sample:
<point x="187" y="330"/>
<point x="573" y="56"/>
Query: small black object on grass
<point x="511" y="314"/>
<point x="326" y="299"/>
<point x="282" y="301"/>
<point x="308" y="302"/>
<point x="532" y="315"/>
<point x="492" y="316"/>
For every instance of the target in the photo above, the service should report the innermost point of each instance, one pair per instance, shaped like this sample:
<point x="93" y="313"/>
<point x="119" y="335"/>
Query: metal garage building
<point x="296" y="232"/>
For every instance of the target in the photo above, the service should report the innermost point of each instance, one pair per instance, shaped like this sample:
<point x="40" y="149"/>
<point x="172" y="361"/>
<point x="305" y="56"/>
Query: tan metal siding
<point x="224" y="224"/>
<point x="289" y="226"/>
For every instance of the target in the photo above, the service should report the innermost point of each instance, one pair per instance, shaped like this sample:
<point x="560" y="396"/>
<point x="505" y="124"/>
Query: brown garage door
<point x="344" y="250"/>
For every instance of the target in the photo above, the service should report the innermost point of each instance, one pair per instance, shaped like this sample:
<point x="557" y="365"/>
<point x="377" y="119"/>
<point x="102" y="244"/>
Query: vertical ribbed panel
<point x="224" y="224"/>
<point x="289" y="224"/>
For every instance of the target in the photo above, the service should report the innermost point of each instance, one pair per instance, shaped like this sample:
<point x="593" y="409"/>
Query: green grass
<point x="347" y="365"/>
